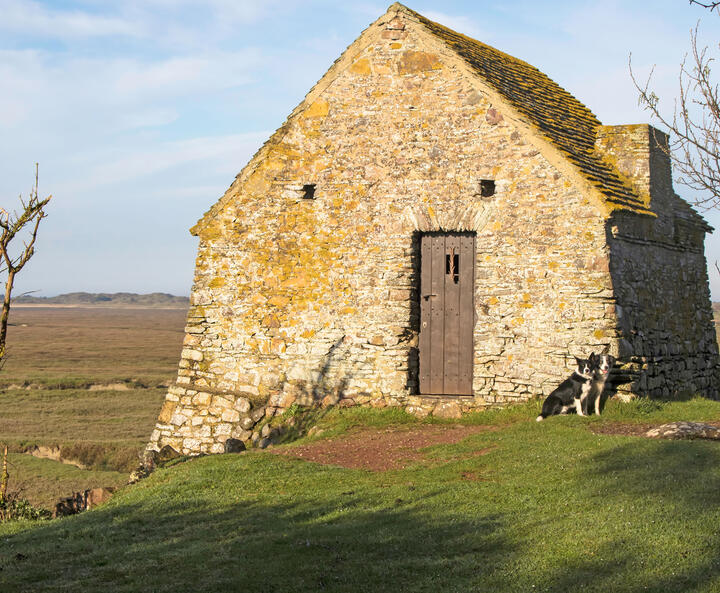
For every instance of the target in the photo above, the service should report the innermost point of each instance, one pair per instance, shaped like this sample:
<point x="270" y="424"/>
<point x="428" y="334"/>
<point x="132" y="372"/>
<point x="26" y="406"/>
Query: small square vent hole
<point x="308" y="191"/>
<point x="487" y="187"/>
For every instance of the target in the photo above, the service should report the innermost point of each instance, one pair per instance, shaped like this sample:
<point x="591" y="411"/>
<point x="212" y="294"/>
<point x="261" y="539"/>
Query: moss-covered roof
<point x="557" y="115"/>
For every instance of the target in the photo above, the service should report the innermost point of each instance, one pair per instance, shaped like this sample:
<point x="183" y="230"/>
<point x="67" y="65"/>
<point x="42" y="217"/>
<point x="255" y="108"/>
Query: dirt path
<point x="381" y="449"/>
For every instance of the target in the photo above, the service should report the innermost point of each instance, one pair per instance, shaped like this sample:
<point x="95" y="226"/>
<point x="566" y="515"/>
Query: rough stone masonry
<point x="307" y="281"/>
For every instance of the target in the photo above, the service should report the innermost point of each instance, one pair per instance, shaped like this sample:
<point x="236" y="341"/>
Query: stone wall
<point x="303" y="300"/>
<point x="300" y="300"/>
<point x="665" y="318"/>
<point x="659" y="273"/>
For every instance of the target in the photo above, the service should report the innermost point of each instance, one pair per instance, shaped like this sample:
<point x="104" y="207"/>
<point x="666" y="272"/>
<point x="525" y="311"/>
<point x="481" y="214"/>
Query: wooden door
<point x="447" y="313"/>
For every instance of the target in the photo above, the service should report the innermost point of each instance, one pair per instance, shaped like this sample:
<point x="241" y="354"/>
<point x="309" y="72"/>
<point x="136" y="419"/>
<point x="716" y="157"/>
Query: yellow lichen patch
<point x="348" y="310"/>
<point x="432" y="215"/>
<point x="361" y="67"/>
<point x="319" y="108"/>
<point x="493" y="301"/>
<point x="599" y="334"/>
<point x="308" y="333"/>
<point x="517" y="321"/>
<point x="278" y="301"/>
<point x="496" y="226"/>
<point x="553" y="265"/>
<point x="562" y="305"/>
<point x="395" y="45"/>
<point x="166" y="412"/>
<point x="295" y="282"/>
<point x="217" y="282"/>
<point x="212" y="231"/>
<point x="412" y="62"/>
<point x="271" y="321"/>
<point x="258" y="299"/>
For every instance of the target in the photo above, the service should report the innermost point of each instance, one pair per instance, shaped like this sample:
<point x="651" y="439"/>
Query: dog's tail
<point x="540" y="418"/>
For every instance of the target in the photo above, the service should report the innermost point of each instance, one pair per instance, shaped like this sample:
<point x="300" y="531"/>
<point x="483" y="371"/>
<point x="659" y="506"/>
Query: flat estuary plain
<point x="87" y="382"/>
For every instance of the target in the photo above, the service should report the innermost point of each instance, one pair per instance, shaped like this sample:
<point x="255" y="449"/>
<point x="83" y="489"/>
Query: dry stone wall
<point x="300" y="301"/>
<point x="659" y="272"/>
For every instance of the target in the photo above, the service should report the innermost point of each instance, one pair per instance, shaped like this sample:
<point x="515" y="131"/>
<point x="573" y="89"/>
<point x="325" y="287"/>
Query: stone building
<point x="439" y="226"/>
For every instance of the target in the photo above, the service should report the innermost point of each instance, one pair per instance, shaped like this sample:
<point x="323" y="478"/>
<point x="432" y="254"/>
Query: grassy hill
<point x="563" y="505"/>
<point x="525" y="506"/>
<point x="155" y="299"/>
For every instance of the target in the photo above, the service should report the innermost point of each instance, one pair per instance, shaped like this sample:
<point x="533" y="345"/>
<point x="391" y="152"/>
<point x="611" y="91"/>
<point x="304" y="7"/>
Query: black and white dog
<point x="571" y="392"/>
<point x="601" y="367"/>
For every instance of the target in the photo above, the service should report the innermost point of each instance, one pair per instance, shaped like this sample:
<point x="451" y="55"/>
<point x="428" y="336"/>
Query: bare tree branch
<point x="695" y="123"/>
<point x="710" y="5"/>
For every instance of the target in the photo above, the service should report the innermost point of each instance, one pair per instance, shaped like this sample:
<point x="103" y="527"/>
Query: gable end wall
<point x="300" y="301"/>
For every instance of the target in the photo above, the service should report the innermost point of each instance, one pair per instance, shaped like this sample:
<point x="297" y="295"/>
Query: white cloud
<point x="224" y="155"/>
<point x="55" y="93"/>
<point x="33" y="18"/>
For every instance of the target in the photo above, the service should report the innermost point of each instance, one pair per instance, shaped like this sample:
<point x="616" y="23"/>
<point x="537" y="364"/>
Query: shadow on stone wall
<point x="311" y="400"/>
<point x="413" y="323"/>
<point x="665" y="336"/>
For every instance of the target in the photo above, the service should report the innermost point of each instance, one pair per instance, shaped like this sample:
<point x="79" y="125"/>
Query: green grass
<point x="53" y="416"/>
<point x="333" y="421"/>
<point x="697" y="409"/>
<point x="43" y="481"/>
<point x="72" y="347"/>
<point x="551" y="507"/>
<point x="104" y="430"/>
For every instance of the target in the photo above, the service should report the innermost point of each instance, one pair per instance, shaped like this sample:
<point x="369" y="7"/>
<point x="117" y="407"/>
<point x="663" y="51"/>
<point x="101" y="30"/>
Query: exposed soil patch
<point x="622" y="428"/>
<point x="631" y="429"/>
<point x="54" y="454"/>
<point x="383" y="449"/>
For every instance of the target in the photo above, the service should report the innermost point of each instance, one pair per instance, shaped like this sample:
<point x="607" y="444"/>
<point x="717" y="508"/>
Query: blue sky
<point x="142" y="112"/>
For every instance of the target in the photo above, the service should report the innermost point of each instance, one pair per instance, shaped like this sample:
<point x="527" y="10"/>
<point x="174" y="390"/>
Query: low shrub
<point x="16" y="508"/>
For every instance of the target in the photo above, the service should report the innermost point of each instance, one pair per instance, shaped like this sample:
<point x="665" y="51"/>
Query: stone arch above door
<point x="426" y="218"/>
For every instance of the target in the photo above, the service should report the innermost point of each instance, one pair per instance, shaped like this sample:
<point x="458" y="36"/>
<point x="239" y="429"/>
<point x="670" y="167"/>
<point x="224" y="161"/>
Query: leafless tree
<point x="22" y="223"/>
<point x="694" y="125"/>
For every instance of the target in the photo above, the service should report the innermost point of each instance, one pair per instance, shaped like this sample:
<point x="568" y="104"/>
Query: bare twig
<point x="710" y="5"/>
<point x="695" y="123"/>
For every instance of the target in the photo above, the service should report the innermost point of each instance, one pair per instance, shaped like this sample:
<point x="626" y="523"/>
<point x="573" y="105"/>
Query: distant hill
<point x="155" y="299"/>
